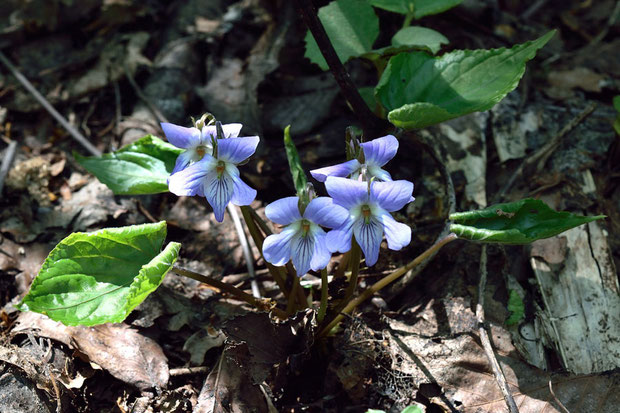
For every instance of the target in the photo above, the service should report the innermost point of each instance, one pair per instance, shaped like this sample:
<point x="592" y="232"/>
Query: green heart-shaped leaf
<point x="140" y="168"/>
<point x="420" y="90"/>
<point x="518" y="222"/>
<point x="100" y="277"/>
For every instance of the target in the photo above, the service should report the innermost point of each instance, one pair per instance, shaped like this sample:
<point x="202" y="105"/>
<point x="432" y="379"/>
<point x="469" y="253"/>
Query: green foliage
<point x="352" y="27"/>
<point x="516" y="308"/>
<point x="420" y="90"/>
<point x="99" y="277"/>
<point x="419" y="8"/>
<point x="297" y="171"/>
<point x="416" y="36"/>
<point x="519" y="222"/>
<point x="414" y="408"/>
<point x="140" y="168"/>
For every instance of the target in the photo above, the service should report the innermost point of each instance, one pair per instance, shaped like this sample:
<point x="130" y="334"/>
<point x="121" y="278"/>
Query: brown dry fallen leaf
<point x="122" y="351"/>
<point x="459" y="365"/>
<point x="270" y="343"/>
<point x="229" y="388"/>
<point x="564" y="81"/>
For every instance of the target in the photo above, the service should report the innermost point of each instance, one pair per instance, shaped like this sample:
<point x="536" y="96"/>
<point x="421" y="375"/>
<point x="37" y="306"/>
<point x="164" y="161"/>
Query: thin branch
<point x="369" y="121"/>
<point x="387" y="280"/>
<point x="245" y="246"/>
<point x="484" y="336"/>
<point x="150" y="105"/>
<point x="324" y="296"/>
<point x="9" y="155"/>
<point x="47" y="106"/>
<point x="242" y="295"/>
<point x="564" y="409"/>
<point x="278" y="273"/>
<point x="185" y="371"/>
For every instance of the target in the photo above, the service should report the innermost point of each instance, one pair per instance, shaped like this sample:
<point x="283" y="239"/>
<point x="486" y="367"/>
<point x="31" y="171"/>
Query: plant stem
<point x="387" y="280"/>
<point x="242" y="295"/>
<point x="354" y="260"/>
<point x="324" y="295"/>
<point x="261" y="223"/>
<point x="279" y="274"/>
<point x="293" y="298"/>
<point x="370" y="123"/>
<point x="344" y="263"/>
<point x="408" y="18"/>
<point x="276" y="272"/>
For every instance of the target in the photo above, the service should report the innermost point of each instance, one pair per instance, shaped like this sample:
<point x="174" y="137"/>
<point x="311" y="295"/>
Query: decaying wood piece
<point x="581" y="298"/>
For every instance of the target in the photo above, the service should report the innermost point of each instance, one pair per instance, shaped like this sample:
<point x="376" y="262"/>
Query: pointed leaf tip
<point x="520" y="222"/>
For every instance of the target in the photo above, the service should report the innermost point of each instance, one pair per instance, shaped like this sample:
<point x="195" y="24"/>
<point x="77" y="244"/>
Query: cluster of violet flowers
<point x="362" y="195"/>
<point x="208" y="166"/>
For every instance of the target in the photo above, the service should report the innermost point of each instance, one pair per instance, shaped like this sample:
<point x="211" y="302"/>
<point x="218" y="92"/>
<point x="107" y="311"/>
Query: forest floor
<point x="115" y="68"/>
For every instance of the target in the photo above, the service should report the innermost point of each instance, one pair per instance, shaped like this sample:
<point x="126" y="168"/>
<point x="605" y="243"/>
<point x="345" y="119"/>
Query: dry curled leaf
<point x="122" y="351"/>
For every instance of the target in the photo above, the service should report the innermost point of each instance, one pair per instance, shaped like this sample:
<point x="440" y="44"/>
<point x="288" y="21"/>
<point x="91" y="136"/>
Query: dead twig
<point x="185" y="371"/>
<point x="9" y="155"/>
<point x="484" y="336"/>
<point x="154" y="110"/>
<point x="43" y="102"/>
<point x="556" y="398"/>
<point x="613" y="17"/>
<point x="370" y="122"/>
<point x="537" y="161"/>
<point x="533" y="9"/>
<point x="261" y="304"/>
<point x="245" y="246"/>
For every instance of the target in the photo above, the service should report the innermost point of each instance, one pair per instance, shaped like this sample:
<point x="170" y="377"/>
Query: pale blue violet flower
<point x="217" y="178"/>
<point x="377" y="153"/>
<point x="302" y="240"/>
<point x="369" y="206"/>
<point x="196" y="142"/>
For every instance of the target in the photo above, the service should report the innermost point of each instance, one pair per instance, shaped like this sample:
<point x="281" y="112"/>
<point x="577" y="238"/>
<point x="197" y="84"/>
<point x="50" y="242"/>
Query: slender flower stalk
<point x="261" y="304"/>
<point x="388" y="279"/>
<point x="324" y="295"/>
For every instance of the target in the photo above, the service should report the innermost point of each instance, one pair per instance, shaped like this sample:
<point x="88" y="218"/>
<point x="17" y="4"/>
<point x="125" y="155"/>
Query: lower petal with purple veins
<point x="302" y="248"/>
<point x="368" y="236"/>
<point x="320" y="255"/>
<point x="219" y="191"/>
<point x="277" y="247"/>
